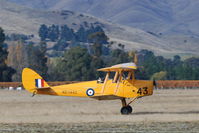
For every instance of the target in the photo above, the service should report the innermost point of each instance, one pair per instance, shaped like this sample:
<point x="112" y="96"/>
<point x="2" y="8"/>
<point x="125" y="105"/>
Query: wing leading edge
<point x="124" y="66"/>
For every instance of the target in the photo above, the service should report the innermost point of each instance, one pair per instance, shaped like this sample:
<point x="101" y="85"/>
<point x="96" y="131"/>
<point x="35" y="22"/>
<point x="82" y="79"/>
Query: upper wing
<point x="124" y="66"/>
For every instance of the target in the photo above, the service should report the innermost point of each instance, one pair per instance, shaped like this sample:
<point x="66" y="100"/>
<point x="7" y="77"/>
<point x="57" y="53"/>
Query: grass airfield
<point x="165" y="111"/>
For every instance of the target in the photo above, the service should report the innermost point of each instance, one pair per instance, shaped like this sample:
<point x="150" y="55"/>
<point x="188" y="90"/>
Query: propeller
<point x="155" y="84"/>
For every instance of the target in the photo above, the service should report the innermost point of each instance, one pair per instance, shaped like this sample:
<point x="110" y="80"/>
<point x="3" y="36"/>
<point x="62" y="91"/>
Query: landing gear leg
<point x="126" y="108"/>
<point x="123" y="100"/>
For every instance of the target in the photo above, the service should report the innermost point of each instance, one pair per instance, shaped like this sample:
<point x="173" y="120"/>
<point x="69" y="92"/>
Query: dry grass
<point x="141" y="127"/>
<point x="166" y="110"/>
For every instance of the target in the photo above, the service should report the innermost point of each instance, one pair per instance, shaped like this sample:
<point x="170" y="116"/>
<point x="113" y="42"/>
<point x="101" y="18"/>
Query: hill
<point x="165" y="16"/>
<point x="20" y="19"/>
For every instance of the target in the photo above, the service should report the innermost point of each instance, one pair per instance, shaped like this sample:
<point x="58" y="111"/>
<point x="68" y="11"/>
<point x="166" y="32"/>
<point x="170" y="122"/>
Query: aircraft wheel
<point x="125" y="110"/>
<point x="129" y="108"/>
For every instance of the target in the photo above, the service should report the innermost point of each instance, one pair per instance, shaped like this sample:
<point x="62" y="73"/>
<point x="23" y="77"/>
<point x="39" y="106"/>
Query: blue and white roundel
<point x="90" y="92"/>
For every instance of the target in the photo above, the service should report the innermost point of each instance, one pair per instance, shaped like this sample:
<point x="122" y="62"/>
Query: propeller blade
<point x="155" y="84"/>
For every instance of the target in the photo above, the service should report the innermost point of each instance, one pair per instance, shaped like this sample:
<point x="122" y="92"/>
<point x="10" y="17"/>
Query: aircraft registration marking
<point x="69" y="92"/>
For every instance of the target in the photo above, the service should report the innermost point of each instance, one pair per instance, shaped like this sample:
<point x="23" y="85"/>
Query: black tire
<point x="129" y="108"/>
<point x="124" y="111"/>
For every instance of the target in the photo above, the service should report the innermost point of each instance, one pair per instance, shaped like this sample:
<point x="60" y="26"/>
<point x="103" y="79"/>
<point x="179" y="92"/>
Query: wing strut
<point x="132" y="100"/>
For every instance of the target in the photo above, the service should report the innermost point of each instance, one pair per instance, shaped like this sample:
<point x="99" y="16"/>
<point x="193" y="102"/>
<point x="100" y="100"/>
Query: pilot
<point x="99" y="80"/>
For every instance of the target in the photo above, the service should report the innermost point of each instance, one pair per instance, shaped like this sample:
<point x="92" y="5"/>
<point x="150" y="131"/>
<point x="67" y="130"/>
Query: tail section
<point x="32" y="81"/>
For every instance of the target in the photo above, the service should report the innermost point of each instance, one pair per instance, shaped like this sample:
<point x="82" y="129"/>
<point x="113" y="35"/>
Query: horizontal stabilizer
<point x="43" y="88"/>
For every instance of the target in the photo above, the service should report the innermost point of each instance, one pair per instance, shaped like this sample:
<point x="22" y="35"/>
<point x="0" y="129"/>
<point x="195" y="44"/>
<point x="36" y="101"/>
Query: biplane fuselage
<point x="110" y="90"/>
<point x="119" y="83"/>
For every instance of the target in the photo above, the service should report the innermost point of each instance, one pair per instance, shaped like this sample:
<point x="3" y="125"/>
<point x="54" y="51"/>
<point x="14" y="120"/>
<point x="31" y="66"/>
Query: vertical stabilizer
<point x="31" y="80"/>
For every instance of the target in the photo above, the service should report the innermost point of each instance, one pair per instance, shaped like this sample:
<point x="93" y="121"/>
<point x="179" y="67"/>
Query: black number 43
<point x="143" y="90"/>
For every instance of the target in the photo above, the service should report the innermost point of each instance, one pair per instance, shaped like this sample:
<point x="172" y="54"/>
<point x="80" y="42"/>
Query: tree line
<point x="64" y="37"/>
<point x="57" y="33"/>
<point x="80" y="63"/>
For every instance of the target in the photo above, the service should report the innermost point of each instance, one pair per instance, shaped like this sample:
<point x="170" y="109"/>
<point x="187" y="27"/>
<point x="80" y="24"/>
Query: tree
<point x="43" y="32"/>
<point x="98" y="29"/>
<point x="118" y="56"/>
<point x="60" y="45"/>
<point x="190" y="69"/>
<point x="149" y="64"/>
<point x="53" y="32"/>
<point x="18" y="59"/>
<point x="23" y="55"/>
<point x="42" y="48"/>
<point x="81" y="34"/>
<point x="37" y="59"/>
<point x="96" y="63"/>
<point x="66" y="33"/>
<point x="159" y="76"/>
<point x="75" y="65"/>
<point x="17" y="37"/>
<point x="2" y="36"/>
<point x="98" y="38"/>
<point x="5" y="71"/>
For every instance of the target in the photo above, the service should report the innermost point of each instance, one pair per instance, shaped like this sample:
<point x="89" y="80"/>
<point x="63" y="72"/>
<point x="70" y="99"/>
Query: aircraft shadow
<point x="146" y="113"/>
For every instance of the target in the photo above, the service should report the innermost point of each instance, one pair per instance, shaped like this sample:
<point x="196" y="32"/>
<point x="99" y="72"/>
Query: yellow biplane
<point x="119" y="83"/>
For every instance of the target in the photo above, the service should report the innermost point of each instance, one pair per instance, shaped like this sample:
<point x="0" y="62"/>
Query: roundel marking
<point x="90" y="92"/>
